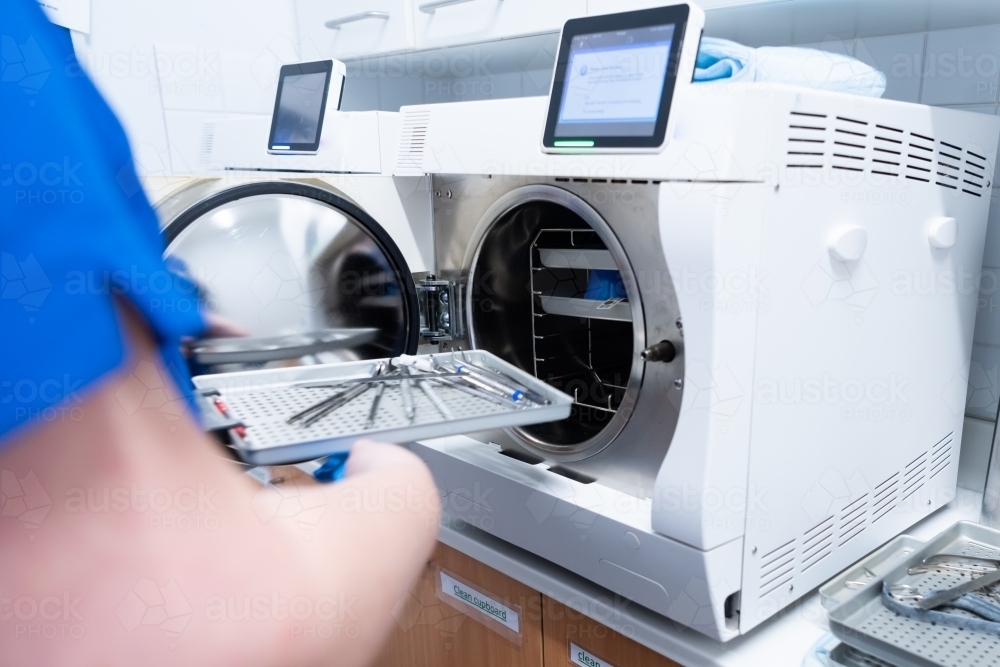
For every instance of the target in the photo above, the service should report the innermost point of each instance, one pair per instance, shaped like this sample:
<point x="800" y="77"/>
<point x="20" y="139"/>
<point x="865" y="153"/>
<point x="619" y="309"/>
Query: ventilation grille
<point x="914" y="474"/>
<point x="412" y="141"/>
<point x="852" y="520"/>
<point x="207" y="143"/>
<point x="817" y="543"/>
<point x="885" y="497"/>
<point x="777" y="568"/>
<point x="940" y="456"/>
<point x="848" y="144"/>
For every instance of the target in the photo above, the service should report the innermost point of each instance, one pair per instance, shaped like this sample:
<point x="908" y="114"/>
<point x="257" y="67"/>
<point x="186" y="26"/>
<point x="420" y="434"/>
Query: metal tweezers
<point x="318" y="410"/>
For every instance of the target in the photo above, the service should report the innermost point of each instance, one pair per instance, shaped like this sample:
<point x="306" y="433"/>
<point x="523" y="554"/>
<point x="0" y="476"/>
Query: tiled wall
<point x="958" y="69"/>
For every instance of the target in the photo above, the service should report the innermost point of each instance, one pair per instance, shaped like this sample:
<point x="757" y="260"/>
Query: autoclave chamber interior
<point x="548" y="295"/>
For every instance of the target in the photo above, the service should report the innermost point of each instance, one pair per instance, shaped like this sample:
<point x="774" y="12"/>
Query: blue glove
<point x="332" y="469"/>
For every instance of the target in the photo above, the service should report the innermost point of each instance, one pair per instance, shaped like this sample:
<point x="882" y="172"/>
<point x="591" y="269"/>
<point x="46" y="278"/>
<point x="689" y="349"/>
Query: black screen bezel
<point x="318" y="67"/>
<point x="643" y="18"/>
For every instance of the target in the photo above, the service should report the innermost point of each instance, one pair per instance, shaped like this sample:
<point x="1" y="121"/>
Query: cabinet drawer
<point x="439" y="24"/>
<point x="430" y="632"/>
<point x="358" y="29"/>
<point x="574" y="640"/>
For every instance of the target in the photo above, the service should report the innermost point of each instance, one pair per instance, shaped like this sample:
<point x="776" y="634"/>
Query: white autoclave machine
<point x="766" y="326"/>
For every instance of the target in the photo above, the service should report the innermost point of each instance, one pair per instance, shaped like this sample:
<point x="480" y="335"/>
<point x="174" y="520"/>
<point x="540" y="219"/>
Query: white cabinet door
<point x="447" y="22"/>
<point x="615" y="6"/>
<point x="348" y="29"/>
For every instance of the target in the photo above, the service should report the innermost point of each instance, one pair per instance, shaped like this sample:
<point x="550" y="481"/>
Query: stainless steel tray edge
<point x="881" y="560"/>
<point x="278" y="378"/>
<point x="843" y="615"/>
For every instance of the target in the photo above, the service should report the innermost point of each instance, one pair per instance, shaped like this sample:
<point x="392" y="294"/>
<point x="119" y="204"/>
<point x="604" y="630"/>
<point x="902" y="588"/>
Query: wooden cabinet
<point x="431" y="632"/>
<point x="568" y="632"/>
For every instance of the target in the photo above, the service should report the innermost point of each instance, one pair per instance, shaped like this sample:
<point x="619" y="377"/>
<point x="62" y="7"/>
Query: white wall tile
<point x="900" y="58"/>
<point x="991" y="256"/>
<point x="831" y="44"/>
<point x="396" y="91"/>
<point x="962" y="66"/>
<point x="536" y="82"/>
<point x="977" y="442"/>
<point x="981" y="401"/>
<point x="190" y="78"/>
<point x="360" y="93"/>
<point x="504" y="84"/>
<point x="988" y="309"/>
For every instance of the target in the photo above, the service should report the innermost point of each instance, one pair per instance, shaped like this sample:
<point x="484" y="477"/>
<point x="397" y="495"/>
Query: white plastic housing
<point x="827" y="339"/>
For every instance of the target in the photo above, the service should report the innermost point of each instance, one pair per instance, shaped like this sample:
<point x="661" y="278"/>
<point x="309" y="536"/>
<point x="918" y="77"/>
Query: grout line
<point x="988" y="421"/>
<point x="923" y="69"/>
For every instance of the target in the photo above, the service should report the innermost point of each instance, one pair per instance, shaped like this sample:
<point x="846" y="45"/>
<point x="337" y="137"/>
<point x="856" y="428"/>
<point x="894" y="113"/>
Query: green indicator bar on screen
<point x="575" y="143"/>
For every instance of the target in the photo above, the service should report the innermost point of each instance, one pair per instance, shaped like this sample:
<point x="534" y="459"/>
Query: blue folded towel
<point x="722" y="60"/>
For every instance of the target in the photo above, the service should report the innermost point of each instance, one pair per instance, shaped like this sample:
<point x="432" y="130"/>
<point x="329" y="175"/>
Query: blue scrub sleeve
<point x="76" y="233"/>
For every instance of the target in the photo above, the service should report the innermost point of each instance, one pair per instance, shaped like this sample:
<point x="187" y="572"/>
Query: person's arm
<point x="156" y="551"/>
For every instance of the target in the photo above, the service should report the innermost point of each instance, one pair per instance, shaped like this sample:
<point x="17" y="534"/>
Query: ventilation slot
<point x="817" y="543"/>
<point x="412" y="140"/>
<point x="914" y="474"/>
<point x="806" y="140"/>
<point x="974" y="174"/>
<point x="776" y="568"/>
<point x="846" y="143"/>
<point x="850" y="144"/>
<point x="852" y="520"/>
<point x="940" y="456"/>
<point x="885" y="497"/>
<point x="207" y="143"/>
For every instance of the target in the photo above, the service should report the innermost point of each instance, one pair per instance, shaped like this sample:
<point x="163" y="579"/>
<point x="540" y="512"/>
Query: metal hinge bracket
<point x="440" y="303"/>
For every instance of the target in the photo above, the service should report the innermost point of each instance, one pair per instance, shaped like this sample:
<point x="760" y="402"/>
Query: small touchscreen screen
<point x="300" y="108"/>
<point x="614" y="83"/>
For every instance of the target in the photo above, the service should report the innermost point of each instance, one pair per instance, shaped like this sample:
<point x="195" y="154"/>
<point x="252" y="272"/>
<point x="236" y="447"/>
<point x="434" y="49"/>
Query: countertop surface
<point x="782" y="641"/>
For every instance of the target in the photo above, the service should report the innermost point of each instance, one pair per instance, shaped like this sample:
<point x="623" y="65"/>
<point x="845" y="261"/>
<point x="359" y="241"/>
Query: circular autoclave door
<point x="552" y="292"/>
<point x="285" y="262"/>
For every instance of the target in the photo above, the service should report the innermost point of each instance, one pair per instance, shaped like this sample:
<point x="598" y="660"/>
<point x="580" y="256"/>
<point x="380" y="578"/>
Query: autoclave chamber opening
<point x="547" y="295"/>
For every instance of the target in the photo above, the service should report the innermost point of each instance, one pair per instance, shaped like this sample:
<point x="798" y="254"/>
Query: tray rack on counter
<point x="860" y="620"/>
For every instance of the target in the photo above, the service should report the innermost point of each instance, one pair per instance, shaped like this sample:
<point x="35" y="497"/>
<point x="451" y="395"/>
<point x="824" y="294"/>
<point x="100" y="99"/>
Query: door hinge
<point x="440" y="304"/>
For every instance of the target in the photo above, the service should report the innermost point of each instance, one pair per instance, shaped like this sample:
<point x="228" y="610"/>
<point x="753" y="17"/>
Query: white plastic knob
<point x="943" y="232"/>
<point x="848" y="243"/>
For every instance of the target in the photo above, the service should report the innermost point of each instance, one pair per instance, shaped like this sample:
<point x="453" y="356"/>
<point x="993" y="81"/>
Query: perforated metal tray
<point x="878" y="563"/>
<point x="258" y="403"/>
<point x="864" y="623"/>
<point x="847" y="656"/>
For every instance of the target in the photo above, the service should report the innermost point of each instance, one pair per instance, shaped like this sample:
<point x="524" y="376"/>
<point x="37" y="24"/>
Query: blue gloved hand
<point x="332" y="469"/>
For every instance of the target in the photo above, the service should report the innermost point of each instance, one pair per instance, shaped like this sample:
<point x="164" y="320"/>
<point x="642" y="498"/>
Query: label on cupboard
<point x="584" y="658"/>
<point x="467" y="595"/>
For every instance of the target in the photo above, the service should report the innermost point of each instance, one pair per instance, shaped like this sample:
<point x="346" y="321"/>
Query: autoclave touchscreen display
<point x="615" y="78"/>
<point x="614" y="83"/>
<point x="299" y="108"/>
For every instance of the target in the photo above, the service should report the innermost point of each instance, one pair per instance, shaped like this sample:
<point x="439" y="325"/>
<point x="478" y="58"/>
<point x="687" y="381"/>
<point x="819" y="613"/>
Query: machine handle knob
<point x="943" y="232"/>
<point x="663" y="351"/>
<point x="848" y="243"/>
